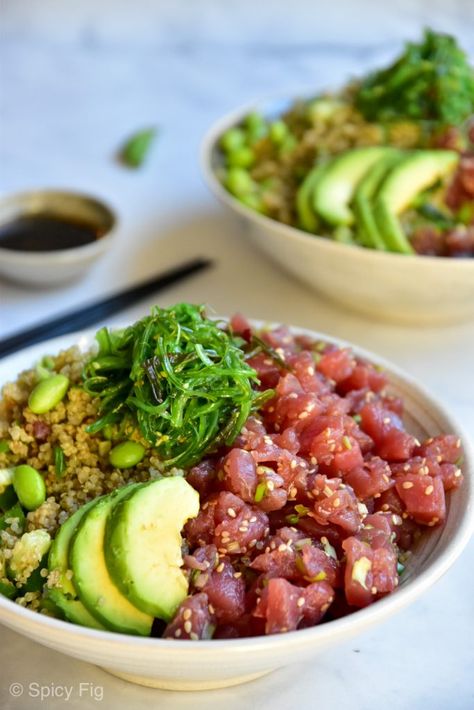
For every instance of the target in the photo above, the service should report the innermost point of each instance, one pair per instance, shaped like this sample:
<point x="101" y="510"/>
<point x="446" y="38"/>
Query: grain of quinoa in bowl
<point x="195" y="479"/>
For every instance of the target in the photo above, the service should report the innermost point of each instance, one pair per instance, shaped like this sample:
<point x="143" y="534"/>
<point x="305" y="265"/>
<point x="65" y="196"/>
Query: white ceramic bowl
<point x="390" y="287"/>
<point x="52" y="268"/>
<point x="213" y="664"/>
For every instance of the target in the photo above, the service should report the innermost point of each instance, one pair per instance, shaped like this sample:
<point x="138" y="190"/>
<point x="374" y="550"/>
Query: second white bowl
<point x="390" y="287"/>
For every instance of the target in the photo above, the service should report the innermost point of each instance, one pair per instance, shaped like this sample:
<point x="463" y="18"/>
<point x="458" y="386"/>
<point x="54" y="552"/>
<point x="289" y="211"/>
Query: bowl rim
<point x="328" y="632"/>
<point x="209" y="144"/>
<point x="71" y="254"/>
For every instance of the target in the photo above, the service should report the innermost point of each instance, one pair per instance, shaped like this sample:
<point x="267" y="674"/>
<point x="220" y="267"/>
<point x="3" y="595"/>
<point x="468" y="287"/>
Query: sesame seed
<point x="458" y="443"/>
<point x="374" y="590"/>
<point x="270" y="485"/>
<point x="386" y="420"/>
<point x="253" y="542"/>
<point x="187" y="613"/>
<point x="325" y="607"/>
<point x="231" y="512"/>
<point x="457" y="473"/>
<point x="300" y="602"/>
<point x="188" y="627"/>
<point x="303" y="415"/>
<point x="282" y="547"/>
<point x="429" y="490"/>
<point x="211" y="609"/>
<point x="243" y="528"/>
<point x="253" y="519"/>
<point x="336" y="503"/>
<point x="314" y="460"/>
<point x="407" y="485"/>
<point x="177" y="633"/>
<point x="293" y="464"/>
<point x="233" y="547"/>
<point x="310" y="370"/>
<point x="417" y="443"/>
<point x="385" y="507"/>
<point x="193" y="636"/>
<point x="385" y="477"/>
<point x="237" y="575"/>
<point x="220" y="567"/>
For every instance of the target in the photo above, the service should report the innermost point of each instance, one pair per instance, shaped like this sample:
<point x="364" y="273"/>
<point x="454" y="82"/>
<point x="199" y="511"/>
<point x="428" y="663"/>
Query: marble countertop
<point x="76" y="80"/>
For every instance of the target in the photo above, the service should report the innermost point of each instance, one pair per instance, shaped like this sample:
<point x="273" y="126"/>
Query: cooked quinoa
<point x="32" y="440"/>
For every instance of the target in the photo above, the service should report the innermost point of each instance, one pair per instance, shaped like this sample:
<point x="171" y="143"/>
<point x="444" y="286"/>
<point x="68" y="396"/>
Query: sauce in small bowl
<point x="50" y="237"/>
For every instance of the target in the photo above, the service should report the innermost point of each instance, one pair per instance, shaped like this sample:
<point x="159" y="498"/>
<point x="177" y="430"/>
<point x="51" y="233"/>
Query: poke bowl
<point x="244" y="610"/>
<point x="364" y="196"/>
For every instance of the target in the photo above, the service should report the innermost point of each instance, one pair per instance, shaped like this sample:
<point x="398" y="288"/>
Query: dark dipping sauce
<point x="46" y="233"/>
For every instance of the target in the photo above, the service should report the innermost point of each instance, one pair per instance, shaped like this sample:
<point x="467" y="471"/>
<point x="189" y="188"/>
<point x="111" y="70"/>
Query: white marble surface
<point x="75" y="78"/>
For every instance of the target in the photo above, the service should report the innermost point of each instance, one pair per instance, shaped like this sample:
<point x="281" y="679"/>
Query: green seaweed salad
<point x="432" y="80"/>
<point x="179" y="377"/>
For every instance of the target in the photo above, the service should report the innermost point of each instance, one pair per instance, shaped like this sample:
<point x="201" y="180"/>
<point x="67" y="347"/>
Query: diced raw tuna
<point x="423" y="498"/>
<point x="192" y="621"/>
<point x="225" y="591"/>
<point x="337" y="365"/>
<point x="240" y="474"/>
<point x="371" y="479"/>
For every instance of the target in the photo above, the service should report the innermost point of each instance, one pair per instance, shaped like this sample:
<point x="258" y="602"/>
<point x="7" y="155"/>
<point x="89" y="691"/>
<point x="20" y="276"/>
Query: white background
<point x="75" y="79"/>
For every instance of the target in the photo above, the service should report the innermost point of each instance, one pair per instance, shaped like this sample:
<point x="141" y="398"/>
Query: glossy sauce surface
<point x="40" y="233"/>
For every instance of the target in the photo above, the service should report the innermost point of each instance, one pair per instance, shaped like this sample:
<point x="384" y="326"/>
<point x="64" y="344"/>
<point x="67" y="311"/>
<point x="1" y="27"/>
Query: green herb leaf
<point x="430" y="81"/>
<point x="59" y="461"/>
<point x="4" y="446"/>
<point x="137" y="147"/>
<point x="260" y="492"/>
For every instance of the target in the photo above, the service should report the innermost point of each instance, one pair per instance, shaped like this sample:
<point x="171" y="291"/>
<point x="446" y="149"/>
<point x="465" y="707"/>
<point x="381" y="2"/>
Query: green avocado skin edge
<point x="143" y="545"/>
<point x="95" y="588"/>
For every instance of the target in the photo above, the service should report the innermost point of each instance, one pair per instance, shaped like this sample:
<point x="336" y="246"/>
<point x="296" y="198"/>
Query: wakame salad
<point x="193" y="479"/>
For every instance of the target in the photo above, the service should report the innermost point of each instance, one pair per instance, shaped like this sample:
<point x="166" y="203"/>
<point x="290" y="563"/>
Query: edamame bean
<point x="256" y="127"/>
<point x="253" y="201"/>
<point x="233" y="139"/>
<point x="48" y="393"/>
<point x="127" y="454"/>
<point x="242" y="158"/>
<point x="29" y="487"/>
<point x="278" y="132"/>
<point x="288" y="145"/>
<point x="239" y="182"/>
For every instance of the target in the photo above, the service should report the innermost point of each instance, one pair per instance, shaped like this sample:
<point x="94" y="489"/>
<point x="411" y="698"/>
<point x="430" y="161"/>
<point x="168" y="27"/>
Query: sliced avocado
<point x="73" y="610"/>
<point x="143" y="544"/>
<point x="404" y="182"/>
<point x="59" y="552"/>
<point x="304" y="199"/>
<point x="333" y="193"/>
<point x="362" y="204"/>
<point x="91" y="578"/>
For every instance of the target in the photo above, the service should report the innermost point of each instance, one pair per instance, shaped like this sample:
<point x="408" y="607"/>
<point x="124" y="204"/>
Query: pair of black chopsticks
<point x="96" y="312"/>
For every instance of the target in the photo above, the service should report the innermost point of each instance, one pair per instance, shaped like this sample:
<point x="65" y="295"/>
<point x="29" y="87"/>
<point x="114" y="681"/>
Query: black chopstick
<point x="96" y="312"/>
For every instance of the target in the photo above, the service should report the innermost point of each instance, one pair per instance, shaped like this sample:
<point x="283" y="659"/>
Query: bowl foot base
<point x="182" y="684"/>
